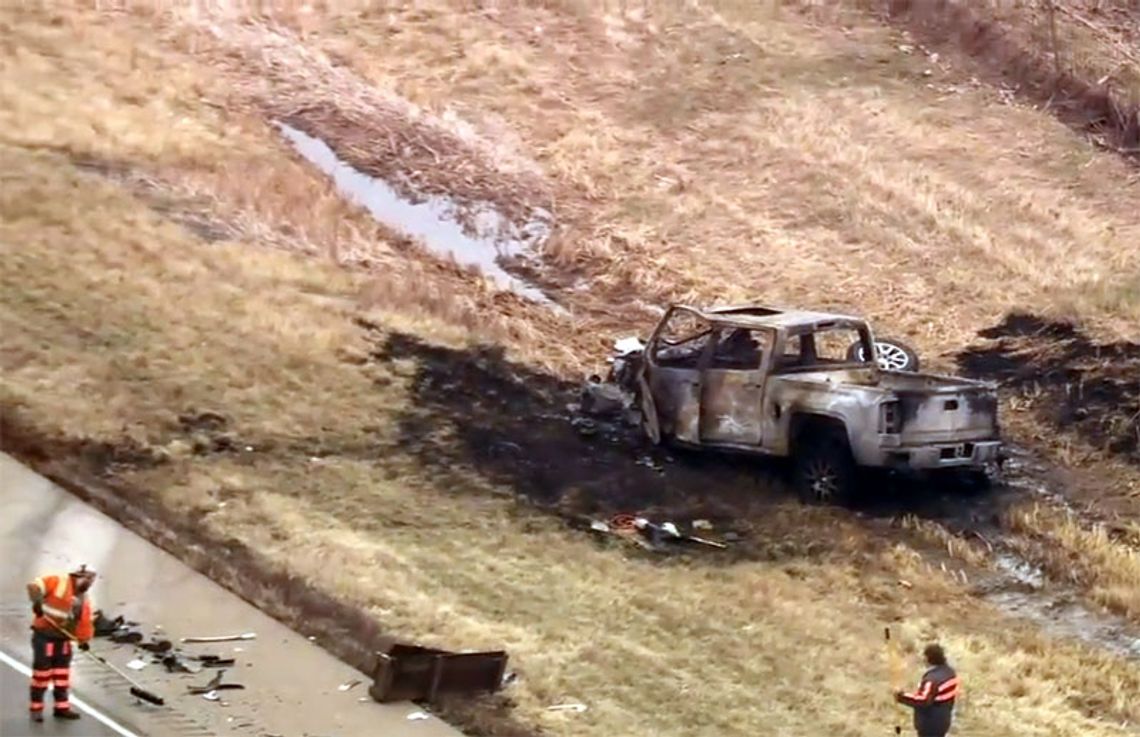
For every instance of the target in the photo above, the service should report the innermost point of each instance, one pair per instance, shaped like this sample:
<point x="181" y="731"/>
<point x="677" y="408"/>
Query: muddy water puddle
<point x="478" y="237"/>
<point x="1022" y="590"/>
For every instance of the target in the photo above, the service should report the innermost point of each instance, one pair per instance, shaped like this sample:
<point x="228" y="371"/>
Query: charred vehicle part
<point x="796" y="384"/>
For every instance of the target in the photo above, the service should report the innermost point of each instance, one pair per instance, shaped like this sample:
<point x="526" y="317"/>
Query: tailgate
<point x="948" y="415"/>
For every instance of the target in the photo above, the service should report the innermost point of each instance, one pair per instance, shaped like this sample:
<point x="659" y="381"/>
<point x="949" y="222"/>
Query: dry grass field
<point x="266" y="363"/>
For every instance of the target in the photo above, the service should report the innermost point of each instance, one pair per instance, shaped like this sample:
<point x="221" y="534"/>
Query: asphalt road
<point x="291" y="684"/>
<point x="14" y="720"/>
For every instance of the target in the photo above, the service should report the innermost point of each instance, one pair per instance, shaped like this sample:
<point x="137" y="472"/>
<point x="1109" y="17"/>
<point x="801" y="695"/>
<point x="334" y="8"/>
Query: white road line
<point x="99" y="716"/>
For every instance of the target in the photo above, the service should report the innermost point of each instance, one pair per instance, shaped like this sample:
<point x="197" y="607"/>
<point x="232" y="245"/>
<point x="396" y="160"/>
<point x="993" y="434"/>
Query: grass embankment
<point x="122" y="327"/>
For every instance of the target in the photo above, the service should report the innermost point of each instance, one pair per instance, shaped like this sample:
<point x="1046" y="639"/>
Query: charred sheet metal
<point x="731" y="407"/>
<point x="415" y="673"/>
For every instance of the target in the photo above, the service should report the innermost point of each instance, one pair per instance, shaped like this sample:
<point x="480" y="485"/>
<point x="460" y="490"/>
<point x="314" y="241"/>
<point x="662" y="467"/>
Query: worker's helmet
<point x="84" y="572"/>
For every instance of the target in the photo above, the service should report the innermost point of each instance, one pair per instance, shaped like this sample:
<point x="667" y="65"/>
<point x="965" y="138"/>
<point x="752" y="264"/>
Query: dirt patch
<point x="1086" y="104"/>
<point x="1069" y="380"/>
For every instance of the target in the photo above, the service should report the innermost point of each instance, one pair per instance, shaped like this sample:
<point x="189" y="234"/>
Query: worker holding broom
<point x="62" y="613"/>
<point x="933" y="700"/>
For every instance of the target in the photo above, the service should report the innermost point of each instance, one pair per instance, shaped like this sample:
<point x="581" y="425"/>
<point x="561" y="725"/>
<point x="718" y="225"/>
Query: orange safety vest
<point x="59" y="598"/>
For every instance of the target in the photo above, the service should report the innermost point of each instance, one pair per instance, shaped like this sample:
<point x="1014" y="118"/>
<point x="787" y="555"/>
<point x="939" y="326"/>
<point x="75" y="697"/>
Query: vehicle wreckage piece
<point x="415" y="673"/>
<point x="215" y="684"/>
<point x="222" y="638"/>
<point x="789" y="383"/>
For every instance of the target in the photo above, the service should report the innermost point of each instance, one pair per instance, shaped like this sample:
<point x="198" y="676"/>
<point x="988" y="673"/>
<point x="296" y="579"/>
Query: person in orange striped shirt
<point x="62" y="612"/>
<point x="933" y="700"/>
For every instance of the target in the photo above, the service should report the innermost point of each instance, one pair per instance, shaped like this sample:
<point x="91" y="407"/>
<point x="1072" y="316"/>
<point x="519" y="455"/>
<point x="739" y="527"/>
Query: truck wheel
<point x="825" y="471"/>
<point x="893" y="354"/>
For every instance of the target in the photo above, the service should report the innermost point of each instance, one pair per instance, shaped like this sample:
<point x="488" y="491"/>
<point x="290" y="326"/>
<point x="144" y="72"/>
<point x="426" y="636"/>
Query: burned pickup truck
<point x="804" y="385"/>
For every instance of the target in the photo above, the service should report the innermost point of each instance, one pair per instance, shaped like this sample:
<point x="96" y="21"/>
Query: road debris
<point x="126" y="636"/>
<point x="214" y="661"/>
<point x="215" y="684"/>
<point x="157" y="646"/>
<point x="136" y="664"/>
<point x="651" y="535"/>
<point x="222" y="638"/>
<point x="105" y="627"/>
<point x="415" y="673"/>
<point x="416" y="716"/>
<point x="174" y="664"/>
<point x="348" y="686"/>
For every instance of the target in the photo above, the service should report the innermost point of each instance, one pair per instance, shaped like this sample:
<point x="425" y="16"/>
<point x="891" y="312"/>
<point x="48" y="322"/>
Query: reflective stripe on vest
<point x="947" y="691"/>
<point x="62" y="594"/>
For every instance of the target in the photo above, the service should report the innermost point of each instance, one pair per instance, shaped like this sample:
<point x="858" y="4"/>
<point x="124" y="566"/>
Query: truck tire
<point x="825" y="469"/>
<point x="893" y="354"/>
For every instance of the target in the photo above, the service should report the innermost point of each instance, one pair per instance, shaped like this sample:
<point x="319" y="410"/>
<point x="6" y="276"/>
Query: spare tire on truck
<point x="893" y="354"/>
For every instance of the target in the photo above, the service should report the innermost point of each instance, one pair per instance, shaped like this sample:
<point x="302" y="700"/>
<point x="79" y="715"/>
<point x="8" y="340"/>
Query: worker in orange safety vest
<point x="933" y="700"/>
<point x="62" y="612"/>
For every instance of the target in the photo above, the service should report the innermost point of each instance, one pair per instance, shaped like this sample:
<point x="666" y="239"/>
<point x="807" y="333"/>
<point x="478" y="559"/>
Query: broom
<point x="136" y="690"/>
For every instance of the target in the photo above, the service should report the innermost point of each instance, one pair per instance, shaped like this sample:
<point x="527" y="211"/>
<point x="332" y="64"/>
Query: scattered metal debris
<point x="214" y="661"/>
<point x="415" y="673"/>
<point x="215" y="684"/>
<point x="105" y="627"/>
<point x="349" y="685"/>
<point x="174" y="664"/>
<point x="222" y="638"/>
<point x="126" y="636"/>
<point x="653" y="535"/>
<point x="157" y="646"/>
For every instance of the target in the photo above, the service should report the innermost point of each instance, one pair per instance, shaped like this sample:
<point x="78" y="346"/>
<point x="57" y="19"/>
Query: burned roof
<point x="756" y="315"/>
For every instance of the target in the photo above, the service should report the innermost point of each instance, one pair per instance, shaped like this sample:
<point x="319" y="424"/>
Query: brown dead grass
<point x="711" y="152"/>
<point x="96" y="330"/>
<point x="1107" y="565"/>
<point x="677" y="174"/>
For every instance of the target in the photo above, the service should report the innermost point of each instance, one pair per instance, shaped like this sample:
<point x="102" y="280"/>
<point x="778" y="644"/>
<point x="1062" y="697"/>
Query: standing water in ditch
<point x="434" y="222"/>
